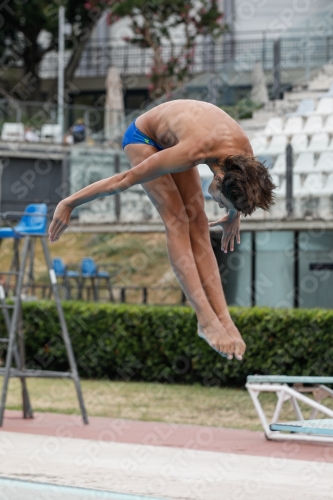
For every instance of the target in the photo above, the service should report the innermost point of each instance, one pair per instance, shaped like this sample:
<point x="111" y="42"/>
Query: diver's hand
<point x="230" y="224"/>
<point x="60" y="221"/>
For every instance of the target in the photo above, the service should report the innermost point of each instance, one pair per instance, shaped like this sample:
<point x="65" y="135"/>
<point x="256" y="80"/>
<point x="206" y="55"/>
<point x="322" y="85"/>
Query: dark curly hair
<point x="247" y="183"/>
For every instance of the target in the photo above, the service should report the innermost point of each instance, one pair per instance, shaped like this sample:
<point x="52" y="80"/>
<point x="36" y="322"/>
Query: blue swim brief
<point x="134" y="136"/>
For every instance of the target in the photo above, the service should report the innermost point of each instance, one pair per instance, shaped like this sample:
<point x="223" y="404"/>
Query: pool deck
<point x="181" y="462"/>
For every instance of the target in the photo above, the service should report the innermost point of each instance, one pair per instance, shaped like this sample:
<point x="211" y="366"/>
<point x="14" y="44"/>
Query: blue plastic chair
<point x="59" y="267"/>
<point x="63" y="273"/>
<point x="89" y="270"/>
<point x="33" y="223"/>
<point x="61" y="270"/>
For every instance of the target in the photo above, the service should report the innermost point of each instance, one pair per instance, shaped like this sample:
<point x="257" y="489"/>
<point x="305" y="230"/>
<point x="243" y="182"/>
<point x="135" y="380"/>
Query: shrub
<point x="160" y="343"/>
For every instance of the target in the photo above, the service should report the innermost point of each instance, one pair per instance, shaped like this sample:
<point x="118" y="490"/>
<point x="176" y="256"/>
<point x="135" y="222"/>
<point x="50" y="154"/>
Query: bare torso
<point x="208" y="128"/>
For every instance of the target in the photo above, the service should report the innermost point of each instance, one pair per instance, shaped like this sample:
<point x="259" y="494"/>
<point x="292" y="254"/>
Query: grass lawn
<point x="184" y="404"/>
<point x="143" y="259"/>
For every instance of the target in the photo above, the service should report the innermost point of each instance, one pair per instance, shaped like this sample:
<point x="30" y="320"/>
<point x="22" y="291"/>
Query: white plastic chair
<point x="319" y="142"/>
<point x="12" y="132"/>
<point x="327" y="189"/>
<point x="299" y="143"/>
<point x="275" y="180"/>
<point x="305" y="163"/>
<point x="328" y="127"/>
<point x="274" y="126"/>
<point x="314" y="124"/>
<point x="259" y="144"/>
<point x="294" y="125"/>
<point x="277" y="144"/>
<point x="280" y="191"/>
<point x="325" y="162"/>
<point x="204" y="171"/>
<point x="326" y="198"/>
<point x="51" y="133"/>
<point x="297" y="185"/>
<point x="305" y="107"/>
<point x="313" y="184"/>
<point x="280" y="165"/>
<point x="325" y="106"/>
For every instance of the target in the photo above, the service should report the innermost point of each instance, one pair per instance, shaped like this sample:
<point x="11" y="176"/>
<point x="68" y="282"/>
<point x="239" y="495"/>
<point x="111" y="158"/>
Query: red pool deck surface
<point x="215" y="439"/>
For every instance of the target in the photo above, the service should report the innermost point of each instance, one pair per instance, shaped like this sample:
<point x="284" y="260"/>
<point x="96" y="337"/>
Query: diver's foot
<point x="234" y="334"/>
<point x="217" y="337"/>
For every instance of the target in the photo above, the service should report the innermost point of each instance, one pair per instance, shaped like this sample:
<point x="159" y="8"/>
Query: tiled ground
<point x="162" y="460"/>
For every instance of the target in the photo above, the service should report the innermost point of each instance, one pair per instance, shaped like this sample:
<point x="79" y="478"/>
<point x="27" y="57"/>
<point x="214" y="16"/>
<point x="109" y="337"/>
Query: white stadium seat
<point x="277" y="145"/>
<point x="314" y="124"/>
<point x="12" y="132"/>
<point x="294" y="125"/>
<point x="299" y="143"/>
<point x="325" y="162"/>
<point x="325" y="106"/>
<point x="304" y="163"/>
<point x="280" y="191"/>
<point x="327" y="189"/>
<point x="274" y="126"/>
<point x="296" y="183"/>
<point x="275" y="179"/>
<point x="305" y="107"/>
<point x="319" y="142"/>
<point x="51" y="133"/>
<point x="259" y="144"/>
<point x="312" y="185"/>
<point x="329" y="92"/>
<point x="280" y="164"/>
<point x="204" y="171"/>
<point x="328" y="127"/>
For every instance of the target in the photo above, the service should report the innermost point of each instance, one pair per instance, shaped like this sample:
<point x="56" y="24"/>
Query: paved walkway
<point x="177" y="462"/>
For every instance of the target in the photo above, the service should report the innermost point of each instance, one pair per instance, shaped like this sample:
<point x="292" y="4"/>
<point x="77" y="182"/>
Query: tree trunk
<point x="29" y="87"/>
<point x="74" y="60"/>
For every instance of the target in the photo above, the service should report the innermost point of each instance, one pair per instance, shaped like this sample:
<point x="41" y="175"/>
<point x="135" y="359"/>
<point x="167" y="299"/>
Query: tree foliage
<point x="21" y="26"/>
<point x="154" y="25"/>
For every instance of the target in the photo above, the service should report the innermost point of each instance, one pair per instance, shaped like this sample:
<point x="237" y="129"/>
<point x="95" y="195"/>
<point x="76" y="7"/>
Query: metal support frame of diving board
<point x="13" y="326"/>
<point x="279" y="385"/>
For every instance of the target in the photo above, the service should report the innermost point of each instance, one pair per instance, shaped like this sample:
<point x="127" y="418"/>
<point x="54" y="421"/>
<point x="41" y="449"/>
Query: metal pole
<point x="277" y="69"/>
<point x="289" y="180"/>
<point x="61" y="67"/>
<point x="27" y="411"/>
<point x="1" y="172"/>
<point x="117" y="195"/>
<point x="13" y="328"/>
<point x="263" y="54"/>
<point x="307" y="54"/>
<point x="64" y="330"/>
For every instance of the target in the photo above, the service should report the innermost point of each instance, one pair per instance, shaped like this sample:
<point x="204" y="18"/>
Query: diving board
<point x="294" y="390"/>
<point x="323" y="427"/>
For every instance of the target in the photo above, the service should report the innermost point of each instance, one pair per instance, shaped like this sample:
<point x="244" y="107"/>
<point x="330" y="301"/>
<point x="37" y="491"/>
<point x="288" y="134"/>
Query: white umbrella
<point x="114" y="105"/>
<point x="259" y="92"/>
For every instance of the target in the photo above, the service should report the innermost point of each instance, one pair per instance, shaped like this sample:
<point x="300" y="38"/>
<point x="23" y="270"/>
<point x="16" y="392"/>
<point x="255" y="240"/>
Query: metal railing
<point x="148" y="295"/>
<point x="36" y="114"/>
<point x="299" y="49"/>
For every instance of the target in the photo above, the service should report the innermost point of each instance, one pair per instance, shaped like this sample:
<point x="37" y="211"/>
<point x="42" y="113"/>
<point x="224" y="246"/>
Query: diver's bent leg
<point x="184" y="266"/>
<point x="191" y="193"/>
<point x="166" y="198"/>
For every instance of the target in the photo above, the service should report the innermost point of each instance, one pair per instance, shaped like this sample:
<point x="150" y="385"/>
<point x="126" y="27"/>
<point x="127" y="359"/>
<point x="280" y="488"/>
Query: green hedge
<point x="160" y="343"/>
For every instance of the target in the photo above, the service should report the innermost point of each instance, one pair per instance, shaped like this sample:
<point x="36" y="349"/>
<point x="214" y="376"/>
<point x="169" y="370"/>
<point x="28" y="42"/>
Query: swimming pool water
<point x="12" y="489"/>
